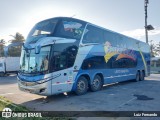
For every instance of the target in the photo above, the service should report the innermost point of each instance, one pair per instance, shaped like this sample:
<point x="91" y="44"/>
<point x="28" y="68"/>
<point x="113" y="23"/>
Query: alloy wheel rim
<point x="96" y="83"/>
<point x="81" y="85"/>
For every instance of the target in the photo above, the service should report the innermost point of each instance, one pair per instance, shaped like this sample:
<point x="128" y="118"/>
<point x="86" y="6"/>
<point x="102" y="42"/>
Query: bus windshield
<point x="65" y="28"/>
<point x="35" y="63"/>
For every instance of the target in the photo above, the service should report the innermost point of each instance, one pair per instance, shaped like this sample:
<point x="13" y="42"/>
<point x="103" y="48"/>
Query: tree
<point x="158" y="49"/>
<point x="155" y="49"/>
<point x="17" y="38"/>
<point x="15" y="51"/>
<point x="2" y="43"/>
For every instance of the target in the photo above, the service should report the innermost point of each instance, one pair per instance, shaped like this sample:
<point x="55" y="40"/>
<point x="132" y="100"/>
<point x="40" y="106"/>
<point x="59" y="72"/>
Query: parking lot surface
<point x="125" y="96"/>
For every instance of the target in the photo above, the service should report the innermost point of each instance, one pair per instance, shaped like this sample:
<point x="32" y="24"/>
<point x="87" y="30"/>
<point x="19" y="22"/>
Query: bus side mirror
<point x="37" y="49"/>
<point x="25" y="48"/>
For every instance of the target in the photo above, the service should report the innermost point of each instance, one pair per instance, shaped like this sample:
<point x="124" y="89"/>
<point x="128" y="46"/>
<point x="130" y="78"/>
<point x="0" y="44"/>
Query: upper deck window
<point x="111" y="38"/>
<point x="93" y="35"/>
<point x="70" y="28"/>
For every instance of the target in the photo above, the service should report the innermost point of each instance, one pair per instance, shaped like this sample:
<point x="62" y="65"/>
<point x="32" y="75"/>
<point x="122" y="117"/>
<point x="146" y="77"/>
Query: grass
<point x="5" y="103"/>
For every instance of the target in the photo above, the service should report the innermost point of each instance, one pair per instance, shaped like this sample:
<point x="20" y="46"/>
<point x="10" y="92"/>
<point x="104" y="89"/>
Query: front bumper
<point x="34" y="88"/>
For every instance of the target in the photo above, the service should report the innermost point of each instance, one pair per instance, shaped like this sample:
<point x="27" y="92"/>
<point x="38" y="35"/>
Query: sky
<point x="123" y="16"/>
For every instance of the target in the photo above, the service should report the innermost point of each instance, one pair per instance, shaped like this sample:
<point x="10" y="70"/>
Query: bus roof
<point x="94" y="25"/>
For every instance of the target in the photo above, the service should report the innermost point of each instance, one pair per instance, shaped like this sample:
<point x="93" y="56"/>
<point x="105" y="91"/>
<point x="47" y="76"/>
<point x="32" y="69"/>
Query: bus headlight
<point x="44" y="80"/>
<point x="28" y="83"/>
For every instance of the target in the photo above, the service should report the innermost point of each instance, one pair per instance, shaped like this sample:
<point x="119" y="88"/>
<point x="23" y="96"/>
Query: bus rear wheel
<point x="142" y="76"/>
<point x="97" y="83"/>
<point x="82" y="86"/>
<point x="137" y="76"/>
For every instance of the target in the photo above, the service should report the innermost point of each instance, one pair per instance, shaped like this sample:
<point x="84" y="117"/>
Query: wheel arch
<point x="86" y="75"/>
<point x="101" y="75"/>
<point x="144" y="72"/>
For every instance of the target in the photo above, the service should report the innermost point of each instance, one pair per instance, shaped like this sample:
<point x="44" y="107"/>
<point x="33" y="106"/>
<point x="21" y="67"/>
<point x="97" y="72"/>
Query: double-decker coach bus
<point x="66" y="54"/>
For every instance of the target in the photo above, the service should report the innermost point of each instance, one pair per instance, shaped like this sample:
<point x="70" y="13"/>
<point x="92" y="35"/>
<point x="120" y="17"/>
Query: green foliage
<point x="1" y="51"/>
<point x="17" y="38"/>
<point x="4" y="103"/>
<point x="7" y="103"/>
<point x="155" y="49"/>
<point x="2" y="42"/>
<point x="15" y="51"/>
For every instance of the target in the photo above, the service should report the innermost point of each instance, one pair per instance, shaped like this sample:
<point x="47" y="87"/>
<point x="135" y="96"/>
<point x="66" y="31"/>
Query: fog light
<point x="42" y="90"/>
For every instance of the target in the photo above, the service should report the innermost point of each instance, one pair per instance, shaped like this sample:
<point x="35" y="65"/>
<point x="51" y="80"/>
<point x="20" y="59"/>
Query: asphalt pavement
<point x="125" y="96"/>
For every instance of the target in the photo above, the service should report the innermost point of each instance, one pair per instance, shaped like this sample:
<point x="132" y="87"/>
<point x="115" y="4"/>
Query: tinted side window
<point x="121" y="41"/>
<point x="96" y="62"/>
<point x="131" y="44"/>
<point x="70" y="29"/>
<point x="110" y="37"/>
<point x="124" y="63"/>
<point x="93" y="35"/>
<point x="144" y="47"/>
<point x="119" y="64"/>
<point x="63" y="56"/>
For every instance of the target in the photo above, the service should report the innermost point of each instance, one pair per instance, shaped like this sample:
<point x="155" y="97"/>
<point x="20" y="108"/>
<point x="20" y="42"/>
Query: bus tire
<point x="96" y="83"/>
<point x="81" y="86"/>
<point x="137" y="76"/>
<point x="142" y="76"/>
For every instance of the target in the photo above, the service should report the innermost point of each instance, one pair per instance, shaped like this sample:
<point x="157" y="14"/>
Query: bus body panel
<point x="64" y="82"/>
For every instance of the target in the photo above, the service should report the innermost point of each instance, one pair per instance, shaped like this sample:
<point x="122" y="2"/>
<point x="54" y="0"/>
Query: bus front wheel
<point x="96" y="84"/>
<point x="81" y="86"/>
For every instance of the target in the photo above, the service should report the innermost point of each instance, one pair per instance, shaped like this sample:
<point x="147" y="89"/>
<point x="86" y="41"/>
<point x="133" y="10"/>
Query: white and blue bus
<point x="66" y="54"/>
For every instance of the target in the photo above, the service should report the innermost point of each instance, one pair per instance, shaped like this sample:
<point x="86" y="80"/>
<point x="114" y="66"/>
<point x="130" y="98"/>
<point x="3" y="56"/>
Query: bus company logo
<point x="120" y="52"/>
<point x="6" y="112"/>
